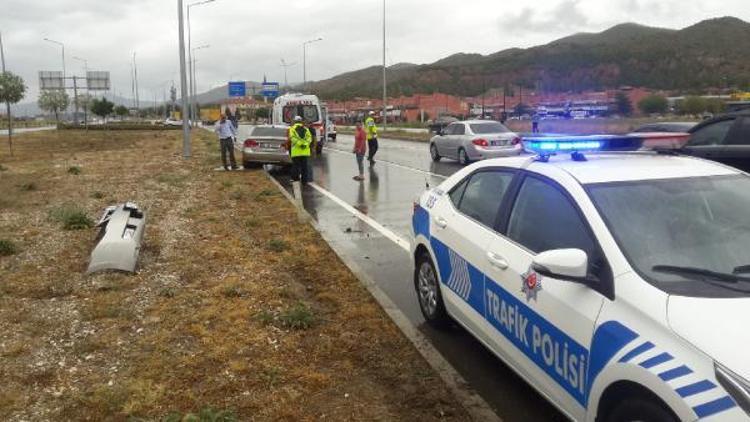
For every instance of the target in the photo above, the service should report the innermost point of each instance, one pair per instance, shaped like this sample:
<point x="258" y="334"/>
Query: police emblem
<point x="531" y="283"/>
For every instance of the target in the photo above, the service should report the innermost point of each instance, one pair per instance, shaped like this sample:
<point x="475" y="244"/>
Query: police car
<point x="616" y="283"/>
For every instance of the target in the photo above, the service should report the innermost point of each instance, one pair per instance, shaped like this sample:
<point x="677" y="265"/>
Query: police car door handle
<point x="441" y="222"/>
<point x="497" y="260"/>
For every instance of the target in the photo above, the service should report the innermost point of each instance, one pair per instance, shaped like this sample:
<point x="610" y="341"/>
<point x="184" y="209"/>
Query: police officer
<point x="300" y="140"/>
<point x="372" y="137"/>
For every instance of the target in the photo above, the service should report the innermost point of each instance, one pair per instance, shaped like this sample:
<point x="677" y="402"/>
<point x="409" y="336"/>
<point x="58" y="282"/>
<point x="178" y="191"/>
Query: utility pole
<point x="183" y="85"/>
<point x="135" y="76"/>
<point x="7" y="103"/>
<point x="191" y="64"/>
<point x="385" y="111"/>
<point x="285" y="65"/>
<point x="304" y="60"/>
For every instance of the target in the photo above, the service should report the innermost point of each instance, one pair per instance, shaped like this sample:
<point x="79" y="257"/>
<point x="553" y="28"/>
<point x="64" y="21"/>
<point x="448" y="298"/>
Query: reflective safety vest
<point x="372" y="130"/>
<point x="300" y="145"/>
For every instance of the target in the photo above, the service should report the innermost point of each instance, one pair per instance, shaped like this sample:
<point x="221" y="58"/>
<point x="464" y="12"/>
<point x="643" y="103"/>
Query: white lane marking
<point x="392" y="164"/>
<point x="403" y="243"/>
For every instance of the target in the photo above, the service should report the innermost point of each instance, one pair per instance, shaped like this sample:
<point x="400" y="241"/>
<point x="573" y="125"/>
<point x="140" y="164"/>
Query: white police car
<point x="617" y="284"/>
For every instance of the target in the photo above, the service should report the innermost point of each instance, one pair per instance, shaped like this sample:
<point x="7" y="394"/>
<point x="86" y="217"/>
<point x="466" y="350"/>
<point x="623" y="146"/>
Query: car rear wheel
<point x="251" y="165"/>
<point x="428" y="292"/>
<point x="463" y="159"/>
<point x="640" y="409"/>
<point x="434" y="153"/>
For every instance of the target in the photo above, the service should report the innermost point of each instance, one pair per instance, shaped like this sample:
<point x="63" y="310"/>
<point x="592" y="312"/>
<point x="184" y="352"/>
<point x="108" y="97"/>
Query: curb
<point x="474" y="405"/>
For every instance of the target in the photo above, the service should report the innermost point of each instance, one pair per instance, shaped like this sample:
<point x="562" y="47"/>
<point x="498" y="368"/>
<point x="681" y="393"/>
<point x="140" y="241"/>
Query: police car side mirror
<point x="564" y="264"/>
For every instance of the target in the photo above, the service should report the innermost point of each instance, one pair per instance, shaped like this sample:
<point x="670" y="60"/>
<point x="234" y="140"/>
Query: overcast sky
<point x="248" y="38"/>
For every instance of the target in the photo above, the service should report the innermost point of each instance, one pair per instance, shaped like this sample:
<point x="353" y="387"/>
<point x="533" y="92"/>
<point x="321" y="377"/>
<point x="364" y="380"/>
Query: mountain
<point x="711" y="53"/>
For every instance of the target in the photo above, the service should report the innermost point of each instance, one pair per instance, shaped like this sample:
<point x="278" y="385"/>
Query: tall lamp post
<point x="194" y="83"/>
<point x="304" y="60"/>
<point x="191" y="89"/>
<point x="385" y="111"/>
<point x="85" y="104"/>
<point x="183" y="83"/>
<point x="285" y="65"/>
<point x="63" y="67"/>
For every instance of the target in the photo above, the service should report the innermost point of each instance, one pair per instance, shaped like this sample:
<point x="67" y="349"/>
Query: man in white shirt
<point x="227" y="132"/>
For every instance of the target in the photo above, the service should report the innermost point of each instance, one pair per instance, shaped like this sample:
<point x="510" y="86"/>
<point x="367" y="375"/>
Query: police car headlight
<point x="736" y="386"/>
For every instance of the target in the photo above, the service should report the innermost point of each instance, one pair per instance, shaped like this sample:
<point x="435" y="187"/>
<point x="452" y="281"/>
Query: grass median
<point x="237" y="312"/>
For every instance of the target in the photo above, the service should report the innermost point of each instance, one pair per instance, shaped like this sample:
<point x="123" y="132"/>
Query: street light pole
<point x="285" y="65"/>
<point x="63" y="55"/>
<point x="194" y="102"/>
<point x="183" y="84"/>
<point x="191" y="65"/>
<point x="385" y="112"/>
<point x="7" y="103"/>
<point x="304" y="60"/>
<point x="85" y="104"/>
<point x="135" y="76"/>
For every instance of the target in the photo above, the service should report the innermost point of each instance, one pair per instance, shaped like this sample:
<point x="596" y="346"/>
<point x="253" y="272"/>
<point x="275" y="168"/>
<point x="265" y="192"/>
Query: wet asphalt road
<point x="386" y="195"/>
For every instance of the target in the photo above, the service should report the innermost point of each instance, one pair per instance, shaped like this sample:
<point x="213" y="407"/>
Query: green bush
<point x="75" y="170"/>
<point x="278" y="245"/>
<point x="7" y="247"/>
<point x="71" y="217"/>
<point x="298" y="317"/>
<point x="30" y="186"/>
<point x="118" y="126"/>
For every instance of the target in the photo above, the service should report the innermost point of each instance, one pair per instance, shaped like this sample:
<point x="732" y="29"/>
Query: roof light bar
<point x="546" y="146"/>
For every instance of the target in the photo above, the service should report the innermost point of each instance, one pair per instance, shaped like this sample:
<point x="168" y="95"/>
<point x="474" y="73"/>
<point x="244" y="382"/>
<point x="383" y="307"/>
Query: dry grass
<point x="234" y="314"/>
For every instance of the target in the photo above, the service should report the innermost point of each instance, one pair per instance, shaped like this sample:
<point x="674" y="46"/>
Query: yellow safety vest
<point x="300" y="146"/>
<point x="372" y="130"/>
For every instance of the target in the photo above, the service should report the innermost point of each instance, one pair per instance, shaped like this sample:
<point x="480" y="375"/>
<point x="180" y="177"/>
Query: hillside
<point x="711" y="53"/>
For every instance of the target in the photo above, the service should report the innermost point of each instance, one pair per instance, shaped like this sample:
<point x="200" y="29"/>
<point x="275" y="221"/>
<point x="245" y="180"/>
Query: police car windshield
<point x="699" y="222"/>
<point x="489" y="127"/>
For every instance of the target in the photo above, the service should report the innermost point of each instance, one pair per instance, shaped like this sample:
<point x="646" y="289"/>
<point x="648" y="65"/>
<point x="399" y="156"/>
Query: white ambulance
<point x="307" y="106"/>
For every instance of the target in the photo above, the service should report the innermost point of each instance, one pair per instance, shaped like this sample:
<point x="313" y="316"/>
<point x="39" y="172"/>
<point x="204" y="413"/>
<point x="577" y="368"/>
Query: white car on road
<point x="474" y="140"/>
<point x="616" y="284"/>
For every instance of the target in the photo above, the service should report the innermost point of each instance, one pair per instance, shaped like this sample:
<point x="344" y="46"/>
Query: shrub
<point x="278" y="245"/>
<point x="71" y="217"/>
<point x="97" y="195"/>
<point x="298" y="317"/>
<point x="7" y="247"/>
<point x="74" y="170"/>
<point x="3" y="168"/>
<point x="30" y="186"/>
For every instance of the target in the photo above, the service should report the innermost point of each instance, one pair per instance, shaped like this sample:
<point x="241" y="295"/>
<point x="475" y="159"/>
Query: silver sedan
<point x="474" y="140"/>
<point x="263" y="144"/>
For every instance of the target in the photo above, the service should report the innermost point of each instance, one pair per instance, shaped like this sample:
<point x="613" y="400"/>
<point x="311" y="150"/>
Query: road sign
<point x="51" y="80"/>
<point x="97" y="81"/>
<point x="236" y="89"/>
<point x="270" y="89"/>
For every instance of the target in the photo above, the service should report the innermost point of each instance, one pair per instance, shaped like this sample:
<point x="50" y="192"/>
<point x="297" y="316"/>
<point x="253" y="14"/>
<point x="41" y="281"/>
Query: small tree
<point x="54" y="101"/>
<point x="12" y="90"/>
<point x="102" y="108"/>
<point x="623" y="104"/>
<point x="692" y="105"/>
<point x="653" y="104"/>
<point x="121" y="111"/>
<point x="262" y="113"/>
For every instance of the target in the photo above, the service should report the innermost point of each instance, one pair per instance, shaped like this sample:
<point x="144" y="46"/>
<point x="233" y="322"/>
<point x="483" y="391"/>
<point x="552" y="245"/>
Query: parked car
<point x="663" y="127"/>
<point x="473" y="140"/>
<point x="264" y="144"/>
<point x="440" y="123"/>
<point x="724" y="138"/>
<point x="331" y="130"/>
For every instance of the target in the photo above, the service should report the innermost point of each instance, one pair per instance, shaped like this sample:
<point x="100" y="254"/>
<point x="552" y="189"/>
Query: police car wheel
<point x="463" y="159"/>
<point x="640" y="410"/>
<point x="428" y="292"/>
<point x="434" y="153"/>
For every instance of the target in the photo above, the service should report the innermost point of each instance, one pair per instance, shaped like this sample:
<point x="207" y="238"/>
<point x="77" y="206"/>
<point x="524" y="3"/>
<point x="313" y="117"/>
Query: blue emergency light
<point x="545" y="146"/>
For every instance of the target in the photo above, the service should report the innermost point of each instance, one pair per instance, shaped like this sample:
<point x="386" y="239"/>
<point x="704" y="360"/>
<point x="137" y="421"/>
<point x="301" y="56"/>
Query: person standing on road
<point x="359" y="150"/>
<point x="535" y="123"/>
<point x="372" y="137"/>
<point x="226" y="131"/>
<point x="300" y="140"/>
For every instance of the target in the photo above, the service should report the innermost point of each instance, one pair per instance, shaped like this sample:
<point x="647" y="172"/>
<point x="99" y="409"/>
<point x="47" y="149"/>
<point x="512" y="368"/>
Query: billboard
<point x="270" y="89"/>
<point x="97" y="81"/>
<point x="51" y="80"/>
<point x="236" y="89"/>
